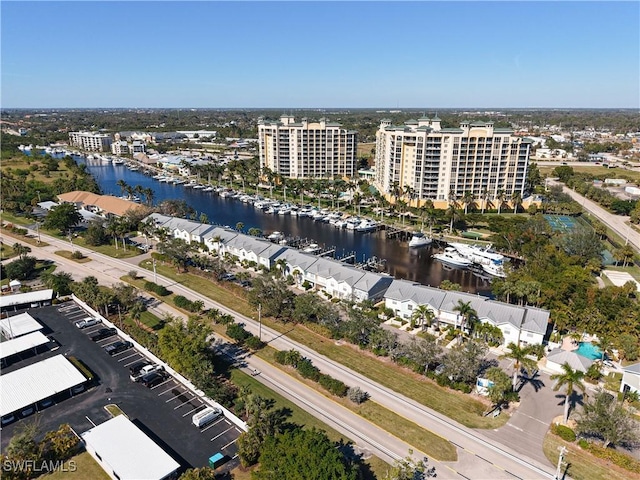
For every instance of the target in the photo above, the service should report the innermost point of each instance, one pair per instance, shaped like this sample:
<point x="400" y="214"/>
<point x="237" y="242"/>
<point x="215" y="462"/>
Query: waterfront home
<point x="103" y="205"/>
<point x="525" y="325"/>
<point x="558" y="357"/>
<point x="631" y="378"/>
<point x="251" y="249"/>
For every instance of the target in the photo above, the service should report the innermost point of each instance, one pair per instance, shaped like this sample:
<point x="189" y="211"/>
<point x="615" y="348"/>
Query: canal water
<point x="401" y="261"/>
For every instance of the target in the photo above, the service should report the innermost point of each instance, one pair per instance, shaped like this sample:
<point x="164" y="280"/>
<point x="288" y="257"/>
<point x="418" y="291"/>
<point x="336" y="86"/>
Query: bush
<point x="622" y="460"/>
<point x="564" y="432"/>
<point x="82" y="367"/>
<point x="237" y="332"/>
<point x="133" y="274"/>
<point x="306" y="285"/>
<point x="254" y="343"/>
<point x="357" y="395"/>
<point x="159" y="290"/>
<point x="280" y="357"/>
<point x="186" y="304"/>
<point x="77" y="254"/>
<point x="308" y="370"/>
<point x="333" y="385"/>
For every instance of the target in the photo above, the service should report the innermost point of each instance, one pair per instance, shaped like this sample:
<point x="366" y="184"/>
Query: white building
<point x="307" y="149"/>
<point x="91" y="141"/>
<point x="126" y="453"/>
<point x="438" y="162"/>
<point x="520" y="325"/>
<point x="631" y="378"/>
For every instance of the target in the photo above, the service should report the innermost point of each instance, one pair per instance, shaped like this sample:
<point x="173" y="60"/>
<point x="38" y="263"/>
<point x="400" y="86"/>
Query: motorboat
<point x="284" y="209"/>
<point x="311" y="248"/>
<point x="367" y="226"/>
<point x="340" y="223"/>
<point x="208" y="189"/>
<point x="478" y="254"/>
<point x="495" y="268"/>
<point x="450" y="256"/>
<point x="419" y="239"/>
<point x="276" y="237"/>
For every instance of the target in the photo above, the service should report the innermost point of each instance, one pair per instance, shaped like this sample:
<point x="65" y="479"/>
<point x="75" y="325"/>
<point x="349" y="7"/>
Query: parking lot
<point x="164" y="411"/>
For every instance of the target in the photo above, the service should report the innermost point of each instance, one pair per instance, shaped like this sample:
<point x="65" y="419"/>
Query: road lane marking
<point x="230" y="443"/>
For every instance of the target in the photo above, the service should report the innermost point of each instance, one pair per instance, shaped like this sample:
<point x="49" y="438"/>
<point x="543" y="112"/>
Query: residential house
<point x="631" y="378"/>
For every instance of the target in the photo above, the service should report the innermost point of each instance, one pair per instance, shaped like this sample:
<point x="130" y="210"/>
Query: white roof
<point x="23" y="298"/>
<point x="20" y="344"/>
<point x="128" y="451"/>
<point x="18" y="325"/>
<point x="36" y="382"/>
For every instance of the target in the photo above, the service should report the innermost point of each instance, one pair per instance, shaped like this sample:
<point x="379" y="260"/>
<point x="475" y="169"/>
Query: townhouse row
<point x="518" y="323"/>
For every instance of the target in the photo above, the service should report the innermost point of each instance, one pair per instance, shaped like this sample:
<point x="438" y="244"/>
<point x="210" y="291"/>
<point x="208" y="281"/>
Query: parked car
<point x="152" y="379"/>
<point x="7" y="419"/>
<point x="228" y="277"/>
<point x="27" y="411"/>
<point x="146" y="370"/>
<point x="117" y="347"/>
<point x="77" y="389"/>
<point x="134" y="370"/>
<point x="88" y="322"/>
<point x="206" y="416"/>
<point x="46" y="403"/>
<point x="103" y="333"/>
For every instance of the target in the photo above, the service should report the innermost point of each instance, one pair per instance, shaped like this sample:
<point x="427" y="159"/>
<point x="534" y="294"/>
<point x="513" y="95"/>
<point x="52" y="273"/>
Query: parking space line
<point x="74" y="315"/>
<point x="107" y="344"/>
<point x="163" y="383"/>
<point x="173" y="398"/>
<point x="220" y="434"/>
<point x="177" y="385"/>
<point x="106" y="340"/>
<point x="198" y="408"/>
<point x="134" y="354"/>
<point x="183" y="403"/>
<point x="209" y="426"/>
<point x="230" y="443"/>
<point x="135" y="361"/>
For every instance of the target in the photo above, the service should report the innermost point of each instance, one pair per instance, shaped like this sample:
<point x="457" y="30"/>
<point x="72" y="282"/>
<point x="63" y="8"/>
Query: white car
<point x="88" y="322"/>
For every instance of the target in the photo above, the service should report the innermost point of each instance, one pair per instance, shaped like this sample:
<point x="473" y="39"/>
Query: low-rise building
<point x="520" y="325"/>
<point x="631" y="378"/>
<point x="103" y="205"/>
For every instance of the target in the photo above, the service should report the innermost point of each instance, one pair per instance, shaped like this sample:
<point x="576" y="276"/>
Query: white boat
<point x="119" y="161"/>
<point x="450" y="256"/>
<point x="311" y="248"/>
<point x="89" y="157"/>
<point x="198" y="186"/>
<point x="495" y="268"/>
<point x="367" y="226"/>
<point x="284" y="210"/>
<point x="419" y="239"/>
<point x="340" y="224"/>
<point x="478" y="254"/>
<point x="276" y="237"/>
<point x="208" y="189"/>
<point x="353" y="223"/>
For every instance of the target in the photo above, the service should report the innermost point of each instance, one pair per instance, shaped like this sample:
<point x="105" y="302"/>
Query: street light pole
<point x="155" y="274"/>
<point x="260" y="321"/>
<point x="563" y="451"/>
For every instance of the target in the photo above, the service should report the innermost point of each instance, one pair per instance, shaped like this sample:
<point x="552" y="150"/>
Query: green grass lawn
<point x="6" y="251"/>
<point x="113" y="409"/>
<point x="299" y="416"/>
<point x="597" y="171"/>
<point x="583" y="465"/>
<point x="85" y="467"/>
<point x="69" y="256"/>
<point x="460" y="407"/>
<point x="109" y="249"/>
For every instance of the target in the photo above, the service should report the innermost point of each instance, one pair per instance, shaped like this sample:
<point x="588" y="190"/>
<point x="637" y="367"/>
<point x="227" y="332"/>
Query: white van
<point x="206" y="416"/>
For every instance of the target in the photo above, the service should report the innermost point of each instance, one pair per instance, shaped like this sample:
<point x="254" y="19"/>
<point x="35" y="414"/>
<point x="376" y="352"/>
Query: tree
<point x="204" y="473"/>
<point x="520" y="356"/>
<point x="408" y="469"/>
<point x="96" y="234"/>
<point x="273" y="295"/>
<point x="21" y="269"/>
<point x="516" y="201"/>
<point x="423" y="316"/>
<point x="239" y="226"/>
<point x="604" y="418"/>
<point x="60" y="444"/>
<point x="21" y="250"/>
<point x="63" y="217"/>
<point x="500" y="198"/>
<point x="177" y="251"/>
<point x="303" y="455"/>
<point x="501" y="388"/>
<point x="570" y="378"/>
<point x="467" y="199"/>
<point x="468" y="314"/>
<point x="59" y="282"/>
<point x="463" y="362"/>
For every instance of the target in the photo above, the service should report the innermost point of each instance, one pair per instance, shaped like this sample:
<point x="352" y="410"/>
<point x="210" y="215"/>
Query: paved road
<point x="479" y="456"/>
<point x="617" y="223"/>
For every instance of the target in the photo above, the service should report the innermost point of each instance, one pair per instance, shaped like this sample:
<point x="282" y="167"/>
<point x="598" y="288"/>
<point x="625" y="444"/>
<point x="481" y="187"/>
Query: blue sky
<point x="311" y="54"/>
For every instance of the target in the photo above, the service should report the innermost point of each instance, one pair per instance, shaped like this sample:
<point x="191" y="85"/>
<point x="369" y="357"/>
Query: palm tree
<point x="426" y="210"/>
<point x="452" y="213"/>
<point x="485" y="199"/>
<point x="281" y="265"/>
<point x="520" y="357"/>
<point x="21" y="250"/>
<point x="423" y="315"/>
<point x="356" y="199"/>
<point x="409" y="193"/>
<point x="500" y="198"/>
<point x="149" y="193"/>
<point x="467" y="199"/>
<point x="468" y="314"/>
<point x="605" y="344"/>
<point x="516" y="201"/>
<point x="123" y="186"/>
<point x="572" y="379"/>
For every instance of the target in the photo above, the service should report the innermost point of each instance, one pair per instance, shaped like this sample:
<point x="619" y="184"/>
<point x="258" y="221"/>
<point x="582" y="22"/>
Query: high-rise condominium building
<point x="444" y="163"/>
<point x="93" y="142"/>
<point x="307" y="149"/>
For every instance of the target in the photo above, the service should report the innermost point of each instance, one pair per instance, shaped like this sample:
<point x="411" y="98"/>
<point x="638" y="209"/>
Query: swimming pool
<point x="589" y="350"/>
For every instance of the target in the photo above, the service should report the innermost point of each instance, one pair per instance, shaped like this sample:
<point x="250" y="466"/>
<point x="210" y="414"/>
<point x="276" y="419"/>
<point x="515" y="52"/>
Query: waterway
<point x="401" y="261"/>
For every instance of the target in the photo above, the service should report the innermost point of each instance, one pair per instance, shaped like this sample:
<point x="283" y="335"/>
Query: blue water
<point x="589" y="350"/>
<point x="402" y="262"/>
